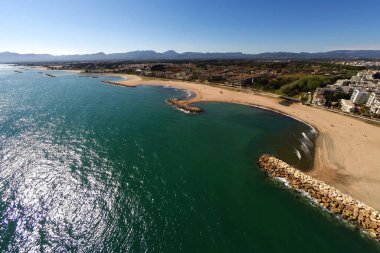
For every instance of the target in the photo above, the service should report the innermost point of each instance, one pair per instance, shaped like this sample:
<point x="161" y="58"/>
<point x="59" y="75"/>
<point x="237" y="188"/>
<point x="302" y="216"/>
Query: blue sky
<point x="81" y="26"/>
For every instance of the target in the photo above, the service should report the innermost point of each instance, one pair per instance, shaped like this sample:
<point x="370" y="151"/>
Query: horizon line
<point x="182" y="52"/>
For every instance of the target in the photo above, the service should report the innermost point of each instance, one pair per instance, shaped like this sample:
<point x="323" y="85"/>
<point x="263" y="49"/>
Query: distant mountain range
<point x="9" y="57"/>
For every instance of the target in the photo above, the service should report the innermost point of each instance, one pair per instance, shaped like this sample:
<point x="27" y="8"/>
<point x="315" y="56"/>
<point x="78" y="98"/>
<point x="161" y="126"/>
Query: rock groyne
<point x="49" y="75"/>
<point x="118" y="83"/>
<point x="326" y="196"/>
<point x="183" y="105"/>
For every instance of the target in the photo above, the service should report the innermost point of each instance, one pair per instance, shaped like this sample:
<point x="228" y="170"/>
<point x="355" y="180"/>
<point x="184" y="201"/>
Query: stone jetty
<point x="118" y="83"/>
<point x="49" y="75"/>
<point x="183" y="105"/>
<point x="344" y="206"/>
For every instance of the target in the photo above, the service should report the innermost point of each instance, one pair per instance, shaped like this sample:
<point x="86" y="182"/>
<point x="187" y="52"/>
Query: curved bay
<point x="89" y="167"/>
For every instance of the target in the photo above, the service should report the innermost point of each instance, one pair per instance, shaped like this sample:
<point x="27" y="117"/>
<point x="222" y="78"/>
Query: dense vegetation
<point x="292" y="85"/>
<point x="302" y="77"/>
<point x="290" y="78"/>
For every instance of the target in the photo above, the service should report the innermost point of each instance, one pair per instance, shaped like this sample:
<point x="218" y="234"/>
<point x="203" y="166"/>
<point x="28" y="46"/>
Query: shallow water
<point x="91" y="167"/>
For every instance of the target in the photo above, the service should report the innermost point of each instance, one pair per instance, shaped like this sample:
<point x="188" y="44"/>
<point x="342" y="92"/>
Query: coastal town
<point x="352" y="87"/>
<point x="358" y="95"/>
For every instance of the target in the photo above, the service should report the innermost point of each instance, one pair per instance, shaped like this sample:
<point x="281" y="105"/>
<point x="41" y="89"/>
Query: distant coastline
<point x="11" y="57"/>
<point x="346" y="153"/>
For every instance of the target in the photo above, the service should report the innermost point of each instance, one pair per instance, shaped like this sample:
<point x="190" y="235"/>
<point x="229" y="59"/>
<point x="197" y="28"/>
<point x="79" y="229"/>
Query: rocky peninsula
<point x="324" y="195"/>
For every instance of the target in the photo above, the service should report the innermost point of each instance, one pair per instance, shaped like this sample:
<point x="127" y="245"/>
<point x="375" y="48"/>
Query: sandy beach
<point x="347" y="149"/>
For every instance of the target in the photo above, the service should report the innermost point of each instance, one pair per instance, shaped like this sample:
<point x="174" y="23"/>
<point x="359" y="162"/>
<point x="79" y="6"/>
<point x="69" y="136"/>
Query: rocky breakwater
<point x="342" y="205"/>
<point x="118" y="83"/>
<point x="49" y="75"/>
<point x="183" y="105"/>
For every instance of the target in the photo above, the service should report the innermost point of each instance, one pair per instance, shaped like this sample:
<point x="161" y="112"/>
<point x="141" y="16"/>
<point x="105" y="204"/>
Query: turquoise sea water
<point x="90" y="167"/>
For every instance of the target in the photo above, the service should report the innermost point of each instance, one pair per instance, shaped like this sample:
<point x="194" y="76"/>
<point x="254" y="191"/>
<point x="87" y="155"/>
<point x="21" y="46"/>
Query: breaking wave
<point x="298" y="154"/>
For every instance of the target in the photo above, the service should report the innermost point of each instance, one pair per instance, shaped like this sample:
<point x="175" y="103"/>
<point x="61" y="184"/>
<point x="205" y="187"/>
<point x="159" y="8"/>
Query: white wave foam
<point x="298" y="154"/>
<point x="189" y="93"/>
<point x="305" y="136"/>
<point x="305" y="148"/>
<point x="306" y="140"/>
<point x="313" y="131"/>
<point x="284" y="181"/>
<point x="182" y="110"/>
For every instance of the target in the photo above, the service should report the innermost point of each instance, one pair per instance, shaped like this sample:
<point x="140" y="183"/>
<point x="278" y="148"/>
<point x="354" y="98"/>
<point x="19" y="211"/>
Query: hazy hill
<point x="9" y="57"/>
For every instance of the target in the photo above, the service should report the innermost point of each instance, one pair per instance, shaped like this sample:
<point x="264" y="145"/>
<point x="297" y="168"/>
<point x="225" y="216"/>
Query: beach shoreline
<point x="346" y="150"/>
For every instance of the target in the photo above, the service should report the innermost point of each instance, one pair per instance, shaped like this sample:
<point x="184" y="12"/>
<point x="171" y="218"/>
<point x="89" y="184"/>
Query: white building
<point x="375" y="107"/>
<point x="372" y="97"/>
<point x="360" y="97"/>
<point x="347" y="105"/>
